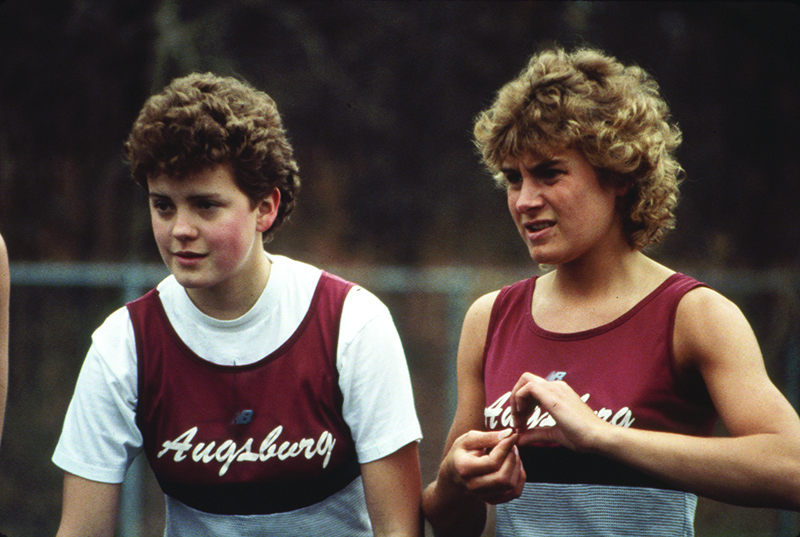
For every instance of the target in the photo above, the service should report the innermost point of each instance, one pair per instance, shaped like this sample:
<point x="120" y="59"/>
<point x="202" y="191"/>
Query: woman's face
<point x="561" y="209"/>
<point x="207" y="230"/>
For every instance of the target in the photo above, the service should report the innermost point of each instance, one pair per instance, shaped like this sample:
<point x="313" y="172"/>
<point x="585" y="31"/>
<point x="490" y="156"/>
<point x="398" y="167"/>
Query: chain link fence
<point x="55" y="307"/>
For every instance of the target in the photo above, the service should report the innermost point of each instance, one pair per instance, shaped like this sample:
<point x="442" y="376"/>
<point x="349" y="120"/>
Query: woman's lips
<point x="538" y="229"/>
<point x="188" y="257"/>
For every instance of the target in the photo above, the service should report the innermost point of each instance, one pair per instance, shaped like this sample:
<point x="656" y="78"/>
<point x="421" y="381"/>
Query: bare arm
<point x="393" y="486"/>
<point x="478" y="467"/>
<point x="5" y="290"/>
<point x="89" y="508"/>
<point x="757" y="465"/>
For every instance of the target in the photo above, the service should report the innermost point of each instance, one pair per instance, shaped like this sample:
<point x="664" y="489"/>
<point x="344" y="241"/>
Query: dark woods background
<point x="378" y="98"/>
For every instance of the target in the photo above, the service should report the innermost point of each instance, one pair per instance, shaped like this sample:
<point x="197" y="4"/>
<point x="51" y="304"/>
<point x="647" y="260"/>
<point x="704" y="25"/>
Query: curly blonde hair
<point x="202" y="120"/>
<point x="612" y="113"/>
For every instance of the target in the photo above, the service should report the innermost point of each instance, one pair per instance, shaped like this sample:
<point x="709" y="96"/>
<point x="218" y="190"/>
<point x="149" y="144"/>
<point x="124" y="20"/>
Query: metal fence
<point x="770" y="299"/>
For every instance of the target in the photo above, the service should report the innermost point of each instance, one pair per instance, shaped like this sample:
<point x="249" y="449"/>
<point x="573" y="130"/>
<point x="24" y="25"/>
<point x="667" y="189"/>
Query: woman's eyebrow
<point x="203" y="196"/>
<point x="544" y="165"/>
<point x="533" y="170"/>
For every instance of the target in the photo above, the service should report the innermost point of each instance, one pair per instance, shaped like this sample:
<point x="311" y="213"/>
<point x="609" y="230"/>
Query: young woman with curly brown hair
<point x="270" y="397"/>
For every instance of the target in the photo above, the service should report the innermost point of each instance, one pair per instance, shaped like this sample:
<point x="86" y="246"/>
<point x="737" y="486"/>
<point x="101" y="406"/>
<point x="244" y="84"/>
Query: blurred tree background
<point x="378" y="98"/>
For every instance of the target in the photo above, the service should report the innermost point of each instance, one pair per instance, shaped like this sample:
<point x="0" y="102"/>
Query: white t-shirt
<point x="100" y="437"/>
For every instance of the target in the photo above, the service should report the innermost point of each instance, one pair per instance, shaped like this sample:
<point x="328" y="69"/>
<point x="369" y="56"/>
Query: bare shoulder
<point x="3" y="254"/>
<point x="469" y="413"/>
<point x="476" y="323"/>
<point x="713" y="336"/>
<point x="709" y="327"/>
<point x="4" y="268"/>
<point x="482" y="307"/>
<point x="703" y="308"/>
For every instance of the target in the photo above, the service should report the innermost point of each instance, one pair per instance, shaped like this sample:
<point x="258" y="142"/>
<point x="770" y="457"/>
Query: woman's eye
<point x="160" y="206"/>
<point x="206" y="205"/>
<point x="550" y="175"/>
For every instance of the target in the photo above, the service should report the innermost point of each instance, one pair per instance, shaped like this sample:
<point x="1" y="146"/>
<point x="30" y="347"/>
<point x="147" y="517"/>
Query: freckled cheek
<point x="161" y="235"/>
<point x="230" y="242"/>
<point x="512" y="209"/>
<point x="512" y="203"/>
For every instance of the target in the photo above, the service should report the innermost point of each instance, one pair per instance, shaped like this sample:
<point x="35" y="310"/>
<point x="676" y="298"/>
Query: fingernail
<point x="506" y="433"/>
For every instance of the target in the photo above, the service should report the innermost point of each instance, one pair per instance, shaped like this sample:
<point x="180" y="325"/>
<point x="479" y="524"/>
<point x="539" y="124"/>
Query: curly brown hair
<point x="612" y="113"/>
<point x="202" y="120"/>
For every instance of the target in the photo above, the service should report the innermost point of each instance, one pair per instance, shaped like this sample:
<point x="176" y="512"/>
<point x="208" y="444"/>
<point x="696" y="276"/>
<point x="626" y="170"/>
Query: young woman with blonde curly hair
<point x="587" y="396"/>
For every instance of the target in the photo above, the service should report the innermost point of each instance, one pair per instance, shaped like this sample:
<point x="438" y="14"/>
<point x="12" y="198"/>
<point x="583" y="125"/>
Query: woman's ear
<point x="267" y="209"/>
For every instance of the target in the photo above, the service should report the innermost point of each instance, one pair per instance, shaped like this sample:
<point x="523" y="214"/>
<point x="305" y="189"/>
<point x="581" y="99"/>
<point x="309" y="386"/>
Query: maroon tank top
<point x="623" y="370"/>
<point x="258" y="439"/>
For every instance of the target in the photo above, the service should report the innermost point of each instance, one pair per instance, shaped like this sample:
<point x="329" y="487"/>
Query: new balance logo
<point x="556" y="375"/>
<point x="244" y="417"/>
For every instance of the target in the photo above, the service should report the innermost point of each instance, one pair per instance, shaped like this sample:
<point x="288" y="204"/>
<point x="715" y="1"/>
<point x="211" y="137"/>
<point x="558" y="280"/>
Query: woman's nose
<point x="183" y="226"/>
<point x="530" y="195"/>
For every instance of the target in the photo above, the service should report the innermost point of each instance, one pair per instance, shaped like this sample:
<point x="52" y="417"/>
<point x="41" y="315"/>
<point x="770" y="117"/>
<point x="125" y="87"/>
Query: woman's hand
<point x="577" y="426"/>
<point x="487" y="464"/>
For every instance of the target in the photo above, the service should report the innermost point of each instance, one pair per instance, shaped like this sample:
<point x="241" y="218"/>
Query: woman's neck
<point x="237" y="295"/>
<point x="574" y="298"/>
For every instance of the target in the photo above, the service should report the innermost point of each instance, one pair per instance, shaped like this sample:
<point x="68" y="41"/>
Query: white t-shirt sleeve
<point x="100" y="437"/>
<point x="373" y="375"/>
